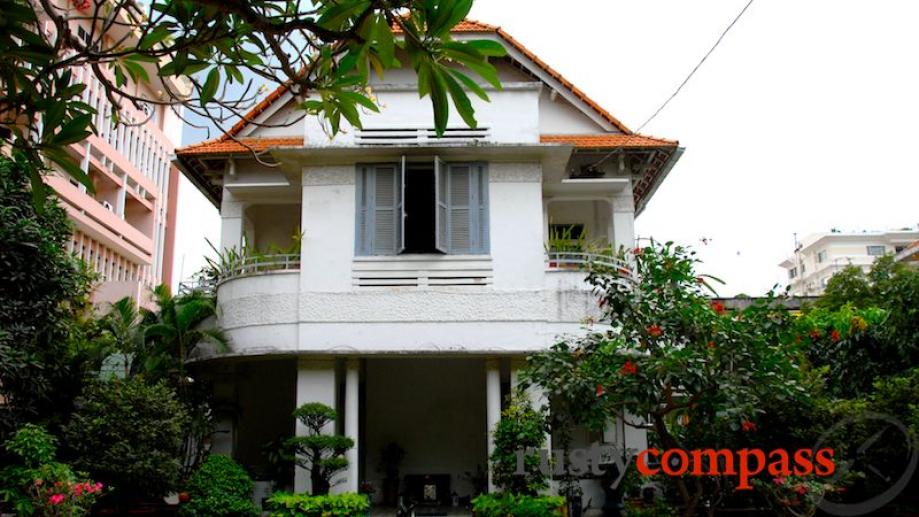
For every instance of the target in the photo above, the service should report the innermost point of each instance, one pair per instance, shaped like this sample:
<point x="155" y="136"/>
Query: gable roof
<point x="465" y="26"/>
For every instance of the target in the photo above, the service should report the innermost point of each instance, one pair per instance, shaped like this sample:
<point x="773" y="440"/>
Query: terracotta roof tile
<point x="223" y="145"/>
<point x="608" y="140"/>
<point x="463" y="26"/>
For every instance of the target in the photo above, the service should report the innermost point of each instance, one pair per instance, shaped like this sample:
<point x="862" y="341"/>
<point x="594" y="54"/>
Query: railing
<point x="583" y="261"/>
<point x="259" y="264"/>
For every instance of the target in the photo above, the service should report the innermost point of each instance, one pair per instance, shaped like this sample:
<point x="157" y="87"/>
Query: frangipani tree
<point x="208" y="57"/>
<point x="671" y="355"/>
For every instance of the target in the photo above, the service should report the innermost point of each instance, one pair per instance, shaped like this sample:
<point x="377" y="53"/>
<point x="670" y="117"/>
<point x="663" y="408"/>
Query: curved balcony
<point x="584" y="261"/>
<point x="259" y="265"/>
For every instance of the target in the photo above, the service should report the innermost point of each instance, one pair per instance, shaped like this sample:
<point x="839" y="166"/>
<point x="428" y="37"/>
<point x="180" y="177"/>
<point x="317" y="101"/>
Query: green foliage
<point x="521" y="429"/>
<point x="302" y="505"/>
<point x="44" y="350"/>
<point x="671" y="354"/>
<point x="848" y="286"/>
<point x="323" y="51"/>
<point x="36" y="483"/>
<point x="321" y="454"/>
<point x="219" y="487"/>
<point x="864" y="327"/>
<point x="518" y="505"/>
<point x="658" y="508"/>
<point x="128" y="434"/>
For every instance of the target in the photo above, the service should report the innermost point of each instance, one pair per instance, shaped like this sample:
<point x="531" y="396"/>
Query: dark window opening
<point x="419" y="208"/>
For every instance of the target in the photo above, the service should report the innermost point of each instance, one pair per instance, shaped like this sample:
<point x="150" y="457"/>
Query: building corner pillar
<point x="493" y="409"/>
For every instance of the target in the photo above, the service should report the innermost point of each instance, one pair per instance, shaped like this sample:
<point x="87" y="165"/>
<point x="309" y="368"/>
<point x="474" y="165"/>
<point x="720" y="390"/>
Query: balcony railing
<point x="259" y="264"/>
<point x="583" y="261"/>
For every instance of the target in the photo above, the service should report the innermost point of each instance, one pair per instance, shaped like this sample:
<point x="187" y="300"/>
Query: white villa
<point x="423" y="278"/>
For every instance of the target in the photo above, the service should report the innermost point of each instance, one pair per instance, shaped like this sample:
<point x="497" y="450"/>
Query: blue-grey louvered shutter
<point x="379" y="210"/>
<point x="467" y="207"/>
<point x="441" y="207"/>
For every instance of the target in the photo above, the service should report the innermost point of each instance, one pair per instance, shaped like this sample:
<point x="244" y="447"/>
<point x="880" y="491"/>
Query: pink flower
<point x="718" y="307"/>
<point x="56" y="499"/>
<point x="801" y="489"/>
<point x="747" y="426"/>
<point x="834" y="336"/>
<point x="655" y="330"/>
<point x="779" y="481"/>
<point x="600" y="390"/>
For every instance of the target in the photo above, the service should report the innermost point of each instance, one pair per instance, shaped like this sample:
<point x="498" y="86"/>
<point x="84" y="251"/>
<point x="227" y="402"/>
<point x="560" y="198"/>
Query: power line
<point x="696" y="68"/>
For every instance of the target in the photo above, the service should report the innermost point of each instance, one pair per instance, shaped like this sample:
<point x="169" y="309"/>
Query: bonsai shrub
<point x="38" y="484"/>
<point x="517" y="505"/>
<point x="283" y="504"/>
<point x="219" y="487"/>
<point x="521" y="431"/>
<point x="128" y="434"/>
<point x="321" y="454"/>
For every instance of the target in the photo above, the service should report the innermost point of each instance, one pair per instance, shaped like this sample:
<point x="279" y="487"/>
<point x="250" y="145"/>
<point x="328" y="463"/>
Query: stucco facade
<point x="418" y="347"/>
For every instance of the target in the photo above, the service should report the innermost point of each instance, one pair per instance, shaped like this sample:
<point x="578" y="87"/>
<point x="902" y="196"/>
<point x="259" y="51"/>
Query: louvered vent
<point x="409" y="136"/>
<point x="419" y="271"/>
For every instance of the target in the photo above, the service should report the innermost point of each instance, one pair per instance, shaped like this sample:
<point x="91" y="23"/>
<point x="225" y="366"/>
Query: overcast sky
<point x="802" y="120"/>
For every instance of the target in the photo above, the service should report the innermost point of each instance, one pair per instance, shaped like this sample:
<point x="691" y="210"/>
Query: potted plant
<point x="391" y="457"/>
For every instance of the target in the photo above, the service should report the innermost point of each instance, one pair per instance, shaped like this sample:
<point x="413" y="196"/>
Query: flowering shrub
<point x="672" y="353"/>
<point x="39" y="484"/>
<point x="794" y="496"/>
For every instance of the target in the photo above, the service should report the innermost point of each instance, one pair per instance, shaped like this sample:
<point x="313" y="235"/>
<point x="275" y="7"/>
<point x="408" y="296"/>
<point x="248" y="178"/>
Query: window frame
<point x="478" y="208"/>
<point x="869" y="247"/>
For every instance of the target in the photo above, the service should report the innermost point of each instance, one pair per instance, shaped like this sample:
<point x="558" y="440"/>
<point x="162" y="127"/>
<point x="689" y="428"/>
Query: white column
<point x="231" y="221"/>
<point x="623" y="220"/>
<point x="352" y="385"/>
<point x="315" y="383"/>
<point x="538" y="398"/>
<point x="492" y="408"/>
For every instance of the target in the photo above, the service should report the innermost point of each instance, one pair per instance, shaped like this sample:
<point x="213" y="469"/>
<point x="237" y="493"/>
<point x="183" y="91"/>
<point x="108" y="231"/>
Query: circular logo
<point x="886" y="430"/>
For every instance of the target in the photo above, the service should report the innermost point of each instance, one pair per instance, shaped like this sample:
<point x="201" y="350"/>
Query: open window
<point x="422" y="207"/>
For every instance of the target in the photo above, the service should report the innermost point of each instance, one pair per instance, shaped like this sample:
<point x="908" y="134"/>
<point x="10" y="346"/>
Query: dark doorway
<point x="419" y="208"/>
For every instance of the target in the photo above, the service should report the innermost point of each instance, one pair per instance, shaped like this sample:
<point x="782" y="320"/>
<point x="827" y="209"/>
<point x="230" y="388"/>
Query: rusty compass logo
<point x="888" y="457"/>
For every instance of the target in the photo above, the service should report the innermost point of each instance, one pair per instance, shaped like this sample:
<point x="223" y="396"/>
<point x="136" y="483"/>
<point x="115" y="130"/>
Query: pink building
<point x="126" y="229"/>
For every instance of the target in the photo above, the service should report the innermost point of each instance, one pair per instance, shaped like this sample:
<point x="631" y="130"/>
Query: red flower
<point x="747" y="426"/>
<point x="834" y="336"/>
<point x="779" y="481"/>
<point x="636" y="251"/>
<point x="56" y="499"/>
<point x="655" y="330"/>
<point x="600" y="390"/>
<point x="718" y="307"/>
<point x="629" y="368"/>
<point x="700" y="280"/>
<point x="801" y="489"/>
<point x="816" y="334"/>
<point x="711" y="344"/>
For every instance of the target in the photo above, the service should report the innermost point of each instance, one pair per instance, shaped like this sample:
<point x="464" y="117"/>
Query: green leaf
<point x="488" y="47"/>
<point x="460" y="100"/>
<point x="358" y="98"/>
<point x="73" y="131"/>
<point x="210" y="85"/>
<point x="470" y="84"/>
<point x="70" y="166"/>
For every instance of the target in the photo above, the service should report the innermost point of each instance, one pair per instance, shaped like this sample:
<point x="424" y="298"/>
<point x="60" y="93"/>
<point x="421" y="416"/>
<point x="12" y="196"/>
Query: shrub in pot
<point x="219" y="487"/>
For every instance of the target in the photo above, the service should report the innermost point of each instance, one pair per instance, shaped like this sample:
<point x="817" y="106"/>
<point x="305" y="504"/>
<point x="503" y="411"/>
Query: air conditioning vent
<point x="424" y="136"/>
